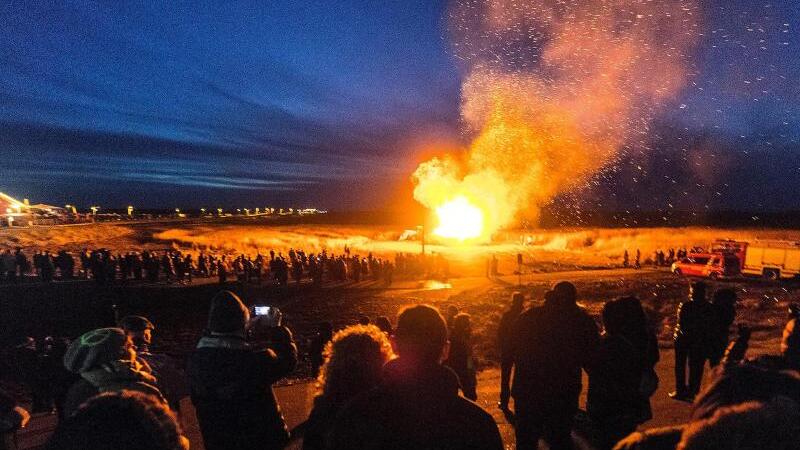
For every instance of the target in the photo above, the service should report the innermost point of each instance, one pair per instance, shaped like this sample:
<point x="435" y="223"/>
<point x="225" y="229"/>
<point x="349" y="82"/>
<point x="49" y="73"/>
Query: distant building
<point x="13" y="210"/>
<point x="48" y="210"/>
<point x="20" y="213"/>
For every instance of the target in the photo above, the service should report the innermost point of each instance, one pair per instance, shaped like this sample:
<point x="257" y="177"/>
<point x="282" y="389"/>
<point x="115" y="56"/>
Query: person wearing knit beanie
<point x="106" y="361"/>
<point x="95" y="348"/>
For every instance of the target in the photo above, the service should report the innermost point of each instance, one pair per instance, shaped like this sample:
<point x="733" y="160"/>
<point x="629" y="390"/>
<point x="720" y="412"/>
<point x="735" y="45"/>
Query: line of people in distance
<point x="413" y="385"/>
<point x="107" y="267"/>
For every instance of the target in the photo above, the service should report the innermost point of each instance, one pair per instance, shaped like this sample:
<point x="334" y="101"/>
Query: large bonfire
<point x="554" y="92"/>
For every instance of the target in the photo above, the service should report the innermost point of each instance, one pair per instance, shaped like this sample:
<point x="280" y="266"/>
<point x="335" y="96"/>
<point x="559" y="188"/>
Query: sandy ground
<point x="543" y="250"/>
<point x="549" y="256"/>
<point x="482" y="298"/>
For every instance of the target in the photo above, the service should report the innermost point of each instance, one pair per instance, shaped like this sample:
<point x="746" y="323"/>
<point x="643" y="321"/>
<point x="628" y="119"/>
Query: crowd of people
<point x="660" y="258"/>
<point x="413" y="384"/>
<point x="176" y="266"/>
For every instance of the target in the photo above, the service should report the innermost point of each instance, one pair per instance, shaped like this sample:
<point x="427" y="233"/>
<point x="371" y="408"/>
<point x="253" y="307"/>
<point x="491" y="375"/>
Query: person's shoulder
<point x="476" y="423"/>
<point x="691" y="304"/>
<point x="531" y="313"/>
<point x="226" y="356"/>
<point x="258" y="357"/>
<point x="361" y="415"/>
<point x="78" y="392"/>
<point x="471" y="410"/>
<point x="157" y="359"/>
<point x="583" y="316"/>
<point x="367" y="402"/>
<point x="664" y="438"/>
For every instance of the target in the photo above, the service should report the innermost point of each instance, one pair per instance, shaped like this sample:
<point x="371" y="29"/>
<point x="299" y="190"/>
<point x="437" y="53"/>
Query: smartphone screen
<point x="261" y="310"/>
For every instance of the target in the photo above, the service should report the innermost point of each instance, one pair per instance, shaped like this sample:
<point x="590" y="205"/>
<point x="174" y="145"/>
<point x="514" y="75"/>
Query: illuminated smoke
<point x="554" y="90"/>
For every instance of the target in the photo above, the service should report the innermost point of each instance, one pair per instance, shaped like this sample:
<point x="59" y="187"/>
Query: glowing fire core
<point x="459" y="219"/>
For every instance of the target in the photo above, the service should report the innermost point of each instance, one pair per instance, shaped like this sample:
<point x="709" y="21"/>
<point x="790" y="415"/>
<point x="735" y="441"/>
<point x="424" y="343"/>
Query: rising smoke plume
<point x="554" y="91"/>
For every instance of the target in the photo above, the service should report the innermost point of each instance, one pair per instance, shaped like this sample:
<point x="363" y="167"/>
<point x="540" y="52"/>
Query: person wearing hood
<point x="230" y="379"/>
<point x="616" y="400"/>
<point x="551" y="344"/>
<point x="106" y="361"/>
<point x="416" y="405"/>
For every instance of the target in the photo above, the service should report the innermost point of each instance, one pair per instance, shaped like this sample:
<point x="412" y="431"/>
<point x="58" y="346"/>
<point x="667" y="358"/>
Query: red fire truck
<point x="770" y="259"/>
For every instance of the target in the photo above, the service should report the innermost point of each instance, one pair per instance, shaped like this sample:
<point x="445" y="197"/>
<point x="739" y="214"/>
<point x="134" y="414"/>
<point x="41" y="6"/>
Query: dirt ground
<point x="584" y="257"/>
<point x="542" y="250"/>
<point x="484" y="300"/>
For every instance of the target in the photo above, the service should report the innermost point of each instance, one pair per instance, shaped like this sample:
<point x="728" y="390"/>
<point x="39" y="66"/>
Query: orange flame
<point x="545" y="128"/>
<point x="459" y="219"/>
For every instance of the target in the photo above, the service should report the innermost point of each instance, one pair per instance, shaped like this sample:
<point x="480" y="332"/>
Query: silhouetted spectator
<point x="230" y="380"/>
<point x="9" y="266"/>
<point x="452" y="312"/>
<point x="317" y="344"/>
<point x="170" y="378"/>
<point x="65" y="264"/>
<point x="125" y="420"/>
<point x="46" y="268"/>
<point x="56" y="380"/>
<point x="505" y="341"/>
<point x="23" y="265"/>
<point x="617" y="402"/>
<point x="735" y="385"/>
<point x="459" y="357"/>
<point x="693" y="341"/>
<point x="354" y="361"/>
<point x="551" y="345"/>
<point x="222" y="270"/>
<point x="363" y="319"/>
<point x="417" y="403"/>
<point x="787" y="359"/>
<point x="384" y="324"/>
<point x="106" y="361"/>
<point x="29" y="361"/>
<point x="748" y="426"/>
<point x="724" y="302"/>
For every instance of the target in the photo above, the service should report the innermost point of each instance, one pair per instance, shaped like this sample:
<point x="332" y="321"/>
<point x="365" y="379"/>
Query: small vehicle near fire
<point x="707" y="265"/>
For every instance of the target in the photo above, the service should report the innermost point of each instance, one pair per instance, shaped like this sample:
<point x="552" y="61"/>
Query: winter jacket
<point x="112" y="377"/>
<point x="614" y="400"/>
<point x="666" y="438"/>
<point x="461" y="362"/>
<point x="724" y="316"/>
<point x="319" y="424"/>
<point x="505" y="336"/>
<point x="230" y="384"/>
<point x="695" y="327"/>
<point x="171" y="379"/>
<point x="415" y="408"/>
<point x="551" y="345"/>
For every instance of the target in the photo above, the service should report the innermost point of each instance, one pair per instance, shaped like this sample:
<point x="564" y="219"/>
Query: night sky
<point x="333" y="104"/>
